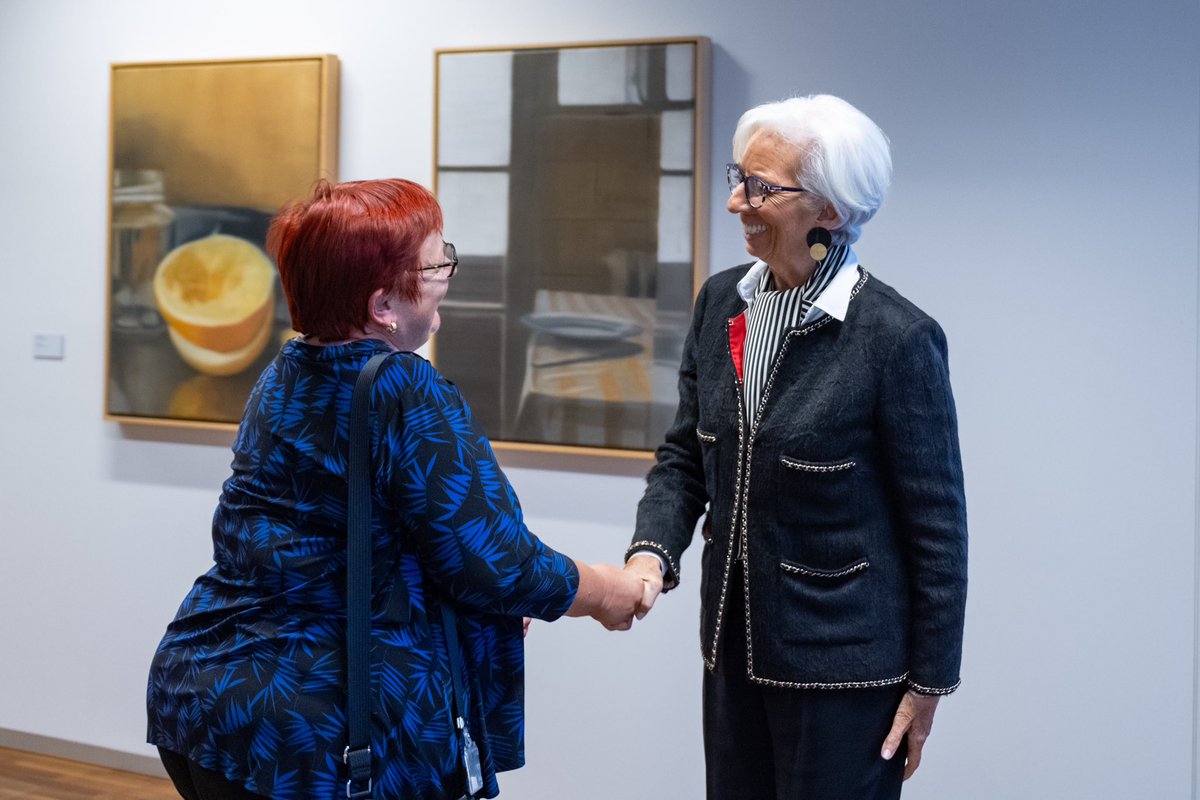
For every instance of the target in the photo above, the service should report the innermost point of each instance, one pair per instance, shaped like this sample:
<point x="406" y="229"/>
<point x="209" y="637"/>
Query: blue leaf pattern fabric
<point x="249" y="679"/>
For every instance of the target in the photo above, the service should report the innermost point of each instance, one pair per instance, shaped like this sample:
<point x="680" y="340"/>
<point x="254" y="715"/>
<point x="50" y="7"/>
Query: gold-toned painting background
<point x="241" y="133"/>
<point x="232" y="142"/>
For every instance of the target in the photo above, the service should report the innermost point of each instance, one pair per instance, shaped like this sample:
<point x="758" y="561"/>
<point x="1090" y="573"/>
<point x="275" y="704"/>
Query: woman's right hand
<point x="608" y="594"/>
<point x="650" y="570"/>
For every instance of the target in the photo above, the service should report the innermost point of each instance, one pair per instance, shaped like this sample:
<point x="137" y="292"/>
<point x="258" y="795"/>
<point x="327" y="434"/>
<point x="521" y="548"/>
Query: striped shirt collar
<point x="834" y="300"/>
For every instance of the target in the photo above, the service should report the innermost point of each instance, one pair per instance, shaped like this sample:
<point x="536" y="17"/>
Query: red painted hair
<point x="343" y="242"/>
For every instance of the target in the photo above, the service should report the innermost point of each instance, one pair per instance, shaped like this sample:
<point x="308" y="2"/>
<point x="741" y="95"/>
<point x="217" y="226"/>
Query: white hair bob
<point x="842" y="156"/>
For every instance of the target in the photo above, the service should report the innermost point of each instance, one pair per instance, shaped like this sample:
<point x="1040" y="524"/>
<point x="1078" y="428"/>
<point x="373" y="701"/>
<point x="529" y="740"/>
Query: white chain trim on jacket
<point x="762" y="405"/>
<point x="820" y="573"/>
<point x="805" y="466"/>
<point x="919" y="689"/>
<point x="820" y="685"/>
<point x="672" y="566"/>
<point x="710" y="659"/>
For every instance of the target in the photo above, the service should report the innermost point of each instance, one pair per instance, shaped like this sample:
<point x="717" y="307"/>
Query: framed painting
<point x="202" y="154"/>
<point x="574" y="182"/>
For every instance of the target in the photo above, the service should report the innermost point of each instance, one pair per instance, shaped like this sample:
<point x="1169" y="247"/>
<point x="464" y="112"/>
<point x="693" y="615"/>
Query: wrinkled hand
<point x="621" y="599"/>
<point x="914" y="719"/>
<point x="648" y="569"/>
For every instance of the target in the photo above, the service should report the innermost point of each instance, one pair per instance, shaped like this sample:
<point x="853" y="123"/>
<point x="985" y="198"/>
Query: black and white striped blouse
<point x="772" y="313"/>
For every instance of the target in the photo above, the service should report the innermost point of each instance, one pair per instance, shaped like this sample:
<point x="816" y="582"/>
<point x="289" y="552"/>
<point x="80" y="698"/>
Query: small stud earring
<point x="818" y="243"/>
<point x="392" y="326"/>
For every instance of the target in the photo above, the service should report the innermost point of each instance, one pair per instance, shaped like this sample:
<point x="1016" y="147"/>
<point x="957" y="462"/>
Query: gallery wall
<point x="1044" y="210"/>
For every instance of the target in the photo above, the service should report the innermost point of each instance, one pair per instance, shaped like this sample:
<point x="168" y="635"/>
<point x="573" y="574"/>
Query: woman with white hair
<point x="816" y="431"/>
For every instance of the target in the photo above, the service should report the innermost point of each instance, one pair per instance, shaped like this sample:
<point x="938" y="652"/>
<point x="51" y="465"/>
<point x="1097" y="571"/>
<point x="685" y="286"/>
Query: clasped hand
<point x="614" y="596"/>
<point x="627" y="593"/>
<point x="649" y="570"/>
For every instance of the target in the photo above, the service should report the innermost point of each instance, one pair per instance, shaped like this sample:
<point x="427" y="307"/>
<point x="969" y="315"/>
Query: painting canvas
<point x="202" y="155"/>
<point x="574" y="184"/>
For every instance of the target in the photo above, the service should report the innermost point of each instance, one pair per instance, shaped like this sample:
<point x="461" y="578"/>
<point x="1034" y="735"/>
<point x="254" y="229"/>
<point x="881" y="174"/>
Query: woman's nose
<point x="737" y="201"/>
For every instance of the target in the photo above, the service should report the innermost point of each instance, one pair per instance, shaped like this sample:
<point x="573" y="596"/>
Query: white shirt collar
<point x="748" y="286"/>
<point x="834" y="301"/>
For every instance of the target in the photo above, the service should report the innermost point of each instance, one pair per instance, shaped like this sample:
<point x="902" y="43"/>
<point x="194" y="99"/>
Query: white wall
<point x="1044" y="209"/>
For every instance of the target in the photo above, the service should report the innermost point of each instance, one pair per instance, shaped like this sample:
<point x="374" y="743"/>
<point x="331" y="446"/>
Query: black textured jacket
<point x="844" y="497"/>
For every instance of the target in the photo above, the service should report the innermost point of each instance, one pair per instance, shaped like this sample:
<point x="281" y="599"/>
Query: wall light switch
<point x="48" y="345"/>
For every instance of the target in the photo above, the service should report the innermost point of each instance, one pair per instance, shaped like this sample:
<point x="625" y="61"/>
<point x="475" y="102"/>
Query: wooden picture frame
<point x="202" y="154"/>
<point x="574" y="180"/>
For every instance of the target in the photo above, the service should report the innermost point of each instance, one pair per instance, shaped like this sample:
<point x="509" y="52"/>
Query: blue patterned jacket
<point x="249" y="680"/>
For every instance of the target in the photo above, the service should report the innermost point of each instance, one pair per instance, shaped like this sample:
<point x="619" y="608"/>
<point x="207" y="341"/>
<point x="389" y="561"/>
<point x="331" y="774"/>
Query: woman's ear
<point x="828" y="218"/>
<point x="379" y="308"/>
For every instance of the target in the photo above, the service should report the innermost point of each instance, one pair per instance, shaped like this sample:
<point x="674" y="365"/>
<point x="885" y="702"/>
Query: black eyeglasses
<point x="448" y="267"/>
<point x="756" y="188"/>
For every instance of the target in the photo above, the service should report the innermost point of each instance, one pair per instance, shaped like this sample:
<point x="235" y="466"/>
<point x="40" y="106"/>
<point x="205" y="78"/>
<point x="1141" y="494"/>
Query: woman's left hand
<point x="525" y="621"/>
<point x="914" y="719"/>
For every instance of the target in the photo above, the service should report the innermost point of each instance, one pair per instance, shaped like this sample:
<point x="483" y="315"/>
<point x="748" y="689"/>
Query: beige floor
<point x="27" y="775"/>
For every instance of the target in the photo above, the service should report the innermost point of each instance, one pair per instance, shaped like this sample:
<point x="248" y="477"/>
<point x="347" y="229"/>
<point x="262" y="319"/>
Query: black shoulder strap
<point x="357" y="755"/>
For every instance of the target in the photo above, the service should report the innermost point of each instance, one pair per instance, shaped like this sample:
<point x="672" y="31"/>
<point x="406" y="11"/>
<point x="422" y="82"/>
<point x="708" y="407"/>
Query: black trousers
<point x="765" y="743"/>
<point x="193" y="782"/>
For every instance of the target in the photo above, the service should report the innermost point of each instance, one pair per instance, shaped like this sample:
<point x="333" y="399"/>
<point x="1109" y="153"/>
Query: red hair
<point x="345" y="241"/>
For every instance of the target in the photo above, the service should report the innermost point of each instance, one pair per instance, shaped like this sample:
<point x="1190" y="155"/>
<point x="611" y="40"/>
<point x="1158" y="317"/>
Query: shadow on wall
<point x="147" y="455"/>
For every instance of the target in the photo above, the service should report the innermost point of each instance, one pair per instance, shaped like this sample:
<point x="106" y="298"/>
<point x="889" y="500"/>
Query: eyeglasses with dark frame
<point x="450" y="263"/>
<point x="756" y="188"/>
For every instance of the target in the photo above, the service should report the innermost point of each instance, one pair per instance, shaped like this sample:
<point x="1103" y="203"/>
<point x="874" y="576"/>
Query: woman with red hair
<point x="247" y="692"/>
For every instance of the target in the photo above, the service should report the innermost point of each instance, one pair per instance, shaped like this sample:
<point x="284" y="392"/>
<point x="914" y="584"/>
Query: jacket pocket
<point x="818" y="494"/>
<point x="827" y="605"/>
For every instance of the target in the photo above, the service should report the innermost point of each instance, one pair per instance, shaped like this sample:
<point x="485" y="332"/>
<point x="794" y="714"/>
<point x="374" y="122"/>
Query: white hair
<point x="843" y="157"/>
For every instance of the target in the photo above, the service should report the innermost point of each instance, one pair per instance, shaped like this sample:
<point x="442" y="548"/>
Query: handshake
<point x="614" y="596"/>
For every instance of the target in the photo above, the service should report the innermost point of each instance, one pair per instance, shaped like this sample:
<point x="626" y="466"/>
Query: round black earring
<point x="818" y="243"/>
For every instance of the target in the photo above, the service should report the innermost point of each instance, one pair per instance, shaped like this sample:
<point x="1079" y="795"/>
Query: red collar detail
<point x="737" y="342"/>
